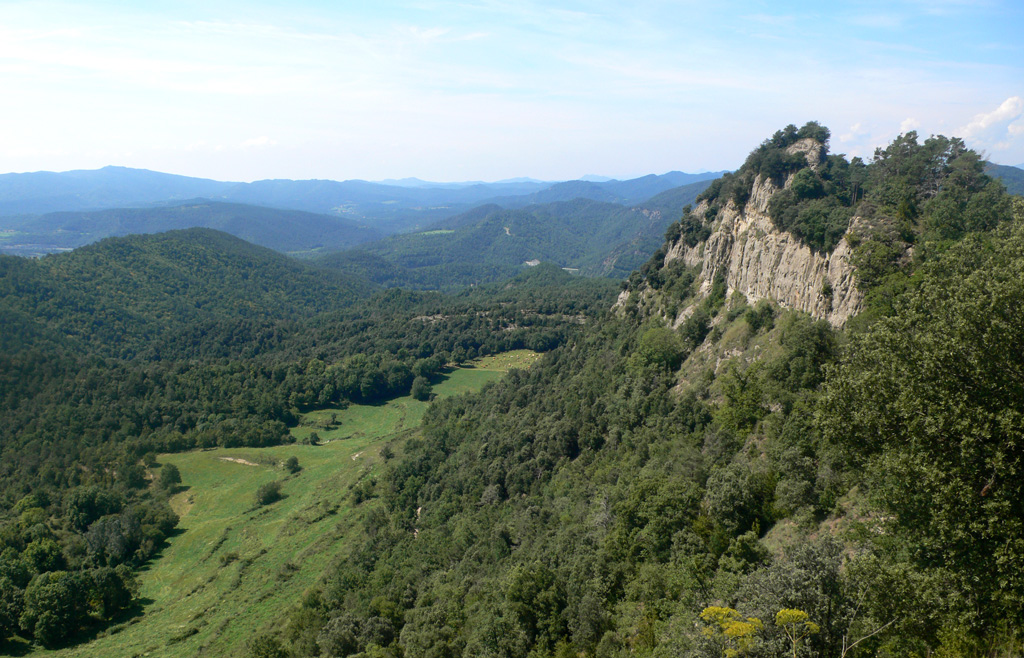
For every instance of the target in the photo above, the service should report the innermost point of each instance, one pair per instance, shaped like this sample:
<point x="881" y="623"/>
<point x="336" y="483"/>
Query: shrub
<point x="421" y="389"/>
<point x="268" y="493"/>
<point x="170" y="476"/>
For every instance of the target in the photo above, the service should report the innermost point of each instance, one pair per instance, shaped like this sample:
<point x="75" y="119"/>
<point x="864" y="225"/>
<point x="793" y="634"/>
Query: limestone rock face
<point x="761" y="261"/>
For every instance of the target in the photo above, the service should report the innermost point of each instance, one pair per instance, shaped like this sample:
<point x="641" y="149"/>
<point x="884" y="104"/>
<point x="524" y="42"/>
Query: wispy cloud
<point x="1010" y="110"/>
<point x="998" y="130"/>
<point x="494" y="88"/>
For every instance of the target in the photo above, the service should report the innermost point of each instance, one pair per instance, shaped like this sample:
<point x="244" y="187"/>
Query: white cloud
<point x="909" y="124"/>
<point x="1010" y="110"/>
<point x="999" y="130"/>
<point x="856" y="131"/>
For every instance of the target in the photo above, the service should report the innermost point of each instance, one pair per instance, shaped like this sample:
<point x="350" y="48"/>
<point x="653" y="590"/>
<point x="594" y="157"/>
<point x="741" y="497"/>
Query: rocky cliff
<point x="761" y="261"/>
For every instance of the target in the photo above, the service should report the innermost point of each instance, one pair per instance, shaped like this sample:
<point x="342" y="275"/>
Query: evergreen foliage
<point x="928" y="402"/>
<point x="149" y="344"/>
<point x="642" y="490"/>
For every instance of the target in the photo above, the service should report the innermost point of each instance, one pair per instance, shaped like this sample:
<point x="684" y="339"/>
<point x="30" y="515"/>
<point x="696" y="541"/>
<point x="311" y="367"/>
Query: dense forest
<point x="750" y="482"/>
<point x="136" y="346"/>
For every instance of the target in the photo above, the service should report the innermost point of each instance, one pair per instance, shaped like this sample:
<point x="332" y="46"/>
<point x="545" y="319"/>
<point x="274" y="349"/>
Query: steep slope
<point x="762" y="262"/>
<point x="288" y="231"/>
<point x="818" y="234"/>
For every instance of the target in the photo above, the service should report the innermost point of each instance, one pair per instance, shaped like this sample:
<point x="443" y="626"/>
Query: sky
<point x="490" y="90"/>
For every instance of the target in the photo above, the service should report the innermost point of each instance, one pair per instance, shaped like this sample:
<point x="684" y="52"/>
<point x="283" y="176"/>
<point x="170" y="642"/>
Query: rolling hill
<point x="121" y="294"/>
<point x="598" y="238"/>
<point x="389" y="208"/>
<point x="1012" y="177"/>
<point x="289" y="231"/>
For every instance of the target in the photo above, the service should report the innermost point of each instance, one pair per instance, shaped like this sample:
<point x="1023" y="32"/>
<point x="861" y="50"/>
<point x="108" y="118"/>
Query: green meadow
<point x="234" y="568"/>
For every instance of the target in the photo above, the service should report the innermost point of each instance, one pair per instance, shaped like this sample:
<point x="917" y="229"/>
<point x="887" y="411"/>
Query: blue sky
<point x="494" y="89"/>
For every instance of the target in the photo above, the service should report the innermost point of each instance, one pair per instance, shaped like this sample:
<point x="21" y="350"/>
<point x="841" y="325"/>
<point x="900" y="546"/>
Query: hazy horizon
<point x="450" y="92"/>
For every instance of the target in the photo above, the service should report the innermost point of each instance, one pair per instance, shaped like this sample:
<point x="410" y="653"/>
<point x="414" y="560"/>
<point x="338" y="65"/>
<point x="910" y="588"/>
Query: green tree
<point x="111" y="590"/>
<point x="268" y="493"/>
<point x="265" y="645"/>
<point x="421" y="388"/>
<point x="660" y="347"/>
<point x="54" y="606"/>
<point x="170" y="477"/>
<point x="43" y="555"/>
<point x="928" y="403"/>
<point x="12" y="601"/>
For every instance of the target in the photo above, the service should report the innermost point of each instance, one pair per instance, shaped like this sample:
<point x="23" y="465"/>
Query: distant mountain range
<point x="598" y="226"/>
<point x="110" y="187"/>
<point x="289" y="231"/>
<point x="385" y="203"/>
<point x="44" y="212"/>
<point x="491" y="242"/>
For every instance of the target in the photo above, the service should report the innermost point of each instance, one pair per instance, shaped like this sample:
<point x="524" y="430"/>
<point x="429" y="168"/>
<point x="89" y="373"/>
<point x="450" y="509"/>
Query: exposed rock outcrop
<point x="761" y="261"/>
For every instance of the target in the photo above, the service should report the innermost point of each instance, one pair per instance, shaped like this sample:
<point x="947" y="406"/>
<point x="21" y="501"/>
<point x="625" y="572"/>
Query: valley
<point x="234" y="567"/>
<point x="512" y="329"/>
<point x="799" y="410"/>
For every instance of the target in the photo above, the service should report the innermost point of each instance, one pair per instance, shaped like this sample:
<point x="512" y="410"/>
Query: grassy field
<point x="235" y="568"/>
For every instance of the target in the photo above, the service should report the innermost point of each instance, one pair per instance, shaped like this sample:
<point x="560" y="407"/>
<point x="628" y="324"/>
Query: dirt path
<point x="237" y="460"/>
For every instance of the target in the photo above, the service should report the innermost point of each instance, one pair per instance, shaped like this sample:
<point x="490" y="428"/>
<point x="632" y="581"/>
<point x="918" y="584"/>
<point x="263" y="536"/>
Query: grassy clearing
<point x="235" y="568"/>
<point x="440" y="231"/>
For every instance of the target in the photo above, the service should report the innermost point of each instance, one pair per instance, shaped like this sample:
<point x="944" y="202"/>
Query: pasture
<point x="235" y="569"/>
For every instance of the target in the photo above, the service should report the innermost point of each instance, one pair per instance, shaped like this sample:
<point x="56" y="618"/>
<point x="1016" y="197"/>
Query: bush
<point x="421" y="389"/>
<point x="266" y="646"/>
<point x="292" y="465"/>
<point x="761" y="316"/>
<point x="660" y="347"/>
<point x="268" y="493"/>
<point x="170" y="476"/>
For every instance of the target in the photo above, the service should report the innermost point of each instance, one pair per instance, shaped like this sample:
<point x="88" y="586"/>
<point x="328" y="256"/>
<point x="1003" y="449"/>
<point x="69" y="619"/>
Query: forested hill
<point x="192" y="339"/>
<point x="1012" y="177"/>
<point x="489" y="243"/>
<point x="288" y="231"/>
<point x="628" y="192"/>
<point x="129" y="295"/>
<point x="746" y="482"/>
